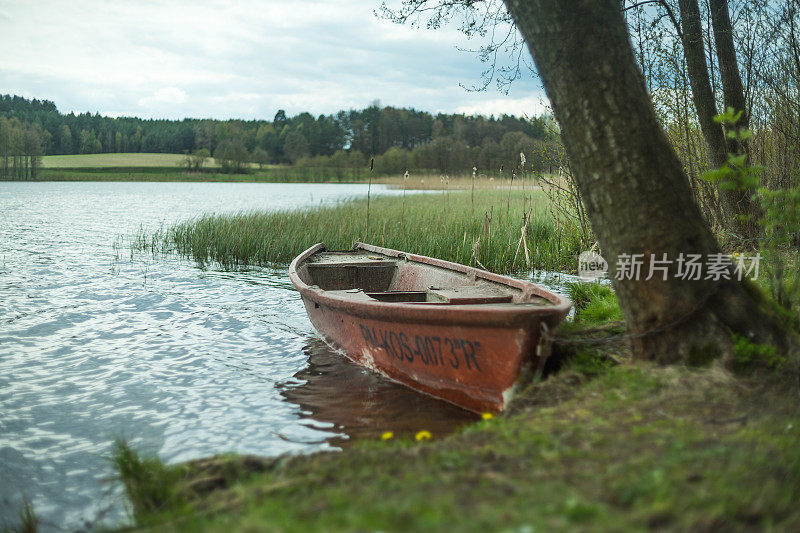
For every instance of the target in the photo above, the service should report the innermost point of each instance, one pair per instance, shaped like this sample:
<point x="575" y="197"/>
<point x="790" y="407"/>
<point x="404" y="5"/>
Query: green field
<point x="114" y="160"/>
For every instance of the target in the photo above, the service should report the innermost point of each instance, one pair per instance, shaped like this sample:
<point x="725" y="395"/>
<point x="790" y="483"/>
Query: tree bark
<point x="739" y="209"/>
<point x="733" y="96"/>
<point x="637" y="195"/>
<point x="702" y="95"/>
<point x="732" y="89"/>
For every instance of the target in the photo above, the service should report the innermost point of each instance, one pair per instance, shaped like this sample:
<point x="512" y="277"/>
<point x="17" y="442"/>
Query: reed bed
<point x="486" y="231"/>
<point x="434" y="181"/>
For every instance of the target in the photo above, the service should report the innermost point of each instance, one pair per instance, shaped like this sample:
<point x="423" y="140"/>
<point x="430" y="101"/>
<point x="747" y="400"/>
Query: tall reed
<point x="369" y="189"/>
<point x="474" y="171"/>
<point x="275" y="238"/>
<point x="403" y="210"/>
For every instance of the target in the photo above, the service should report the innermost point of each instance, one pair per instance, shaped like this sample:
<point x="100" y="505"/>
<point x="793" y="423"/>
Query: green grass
<point x="637" y="447"/>
<point x="114" y="160"/>
<point x="595" y="304"/>
<point x="145" y="481"/>
<point x="285" y="175"/>
<point x="600" y="446"/>
<point x="158" y="174"/>
<point x="116" y="174"/>
<point x="441" y="225"/>
<point x="592" y="342"/>
<point x="170" y="167"/>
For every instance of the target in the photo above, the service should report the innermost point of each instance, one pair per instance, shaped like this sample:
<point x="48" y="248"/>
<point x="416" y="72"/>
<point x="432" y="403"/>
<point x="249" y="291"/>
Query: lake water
<point x="183" y="361"/>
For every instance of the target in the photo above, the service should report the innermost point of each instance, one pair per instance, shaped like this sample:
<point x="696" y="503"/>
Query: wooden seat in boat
<point x="399" y="296"/>
<point x="366" y="275"/>
<point x="466" y="295"/>
<point x="469" y="294"/>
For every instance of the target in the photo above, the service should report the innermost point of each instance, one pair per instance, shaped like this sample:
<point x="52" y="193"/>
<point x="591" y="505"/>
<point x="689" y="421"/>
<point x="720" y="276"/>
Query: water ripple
<point x="184" y="362"/>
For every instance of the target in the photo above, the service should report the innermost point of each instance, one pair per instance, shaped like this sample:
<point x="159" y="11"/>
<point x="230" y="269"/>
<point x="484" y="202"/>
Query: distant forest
<point x="398" y="139"/>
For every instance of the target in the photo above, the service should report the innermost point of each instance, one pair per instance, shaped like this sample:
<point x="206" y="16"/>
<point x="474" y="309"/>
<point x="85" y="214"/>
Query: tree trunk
<point x="637" y="195"/>
<point x="733" y="96"/>
<point x="740" y="210"/>
<point x="732" y="89"/>
<point x="702" y="95"/>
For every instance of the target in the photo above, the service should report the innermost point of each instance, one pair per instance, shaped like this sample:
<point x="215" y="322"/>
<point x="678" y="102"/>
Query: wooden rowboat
<point x="455" y="332"/>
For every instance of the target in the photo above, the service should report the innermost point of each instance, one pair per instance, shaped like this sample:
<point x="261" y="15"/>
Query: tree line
<point x="398" y="138"/>
<point x="21" y="149"/>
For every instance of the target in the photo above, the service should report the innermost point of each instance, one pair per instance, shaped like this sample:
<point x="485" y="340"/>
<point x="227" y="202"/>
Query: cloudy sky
<point x="226" y="59"/>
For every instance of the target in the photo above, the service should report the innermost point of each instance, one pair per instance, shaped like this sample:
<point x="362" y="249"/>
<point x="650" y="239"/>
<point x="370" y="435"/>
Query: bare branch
<point x="482" y="18"/>
<point x="667" y="8"/>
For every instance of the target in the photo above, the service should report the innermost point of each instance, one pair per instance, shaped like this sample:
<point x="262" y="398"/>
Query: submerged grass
<point x="28" y="521"/>
<point x="147" y="484"/>
<point x="444" y="224"/>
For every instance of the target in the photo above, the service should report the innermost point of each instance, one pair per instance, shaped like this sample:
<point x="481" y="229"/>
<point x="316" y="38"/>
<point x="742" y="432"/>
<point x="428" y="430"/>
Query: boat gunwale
<point x="493" y="315"/>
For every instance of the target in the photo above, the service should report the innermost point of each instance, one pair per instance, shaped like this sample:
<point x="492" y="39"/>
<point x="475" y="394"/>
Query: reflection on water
<point x="354" y="402"/>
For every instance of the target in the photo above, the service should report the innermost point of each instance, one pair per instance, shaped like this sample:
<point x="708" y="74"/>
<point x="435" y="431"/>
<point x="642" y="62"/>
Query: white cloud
<point x="166" y="95"/>
<point x="218" y="59"/>
<point x="527" y="106"/>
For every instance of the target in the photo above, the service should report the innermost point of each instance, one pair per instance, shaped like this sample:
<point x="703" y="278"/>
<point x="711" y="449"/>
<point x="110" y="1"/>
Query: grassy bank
<point x="276" y="174"/>
<point x="161" y="174"/>
<point x="171" y="167"/>
<point x="282" y="175"/>
<point x="446" y="225"/>
<point x="601" y="446"/>
<point x="636" y="448"/>
<point x="112" y="174"/>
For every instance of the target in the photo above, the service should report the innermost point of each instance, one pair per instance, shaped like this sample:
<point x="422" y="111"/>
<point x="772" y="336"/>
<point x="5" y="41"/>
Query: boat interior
<point x="361" y="275"/>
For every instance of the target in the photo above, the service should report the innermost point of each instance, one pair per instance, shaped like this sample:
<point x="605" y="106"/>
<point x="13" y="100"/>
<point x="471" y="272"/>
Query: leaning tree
<point x="635" y="189"/>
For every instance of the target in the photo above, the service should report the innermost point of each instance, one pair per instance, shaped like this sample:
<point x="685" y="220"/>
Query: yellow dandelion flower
<point x="423" y="435"/>
<point x="386" y="435"/>
<point x="487" y="416"/>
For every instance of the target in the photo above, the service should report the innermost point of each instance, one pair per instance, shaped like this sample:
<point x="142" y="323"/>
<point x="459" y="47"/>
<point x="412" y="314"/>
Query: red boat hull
<point x="469" y="355"/>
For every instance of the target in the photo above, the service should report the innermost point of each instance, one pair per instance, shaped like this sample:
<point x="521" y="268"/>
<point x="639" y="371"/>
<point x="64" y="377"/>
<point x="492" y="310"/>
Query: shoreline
<point x="418" y="179"/>
<point x="604" y="443"/>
